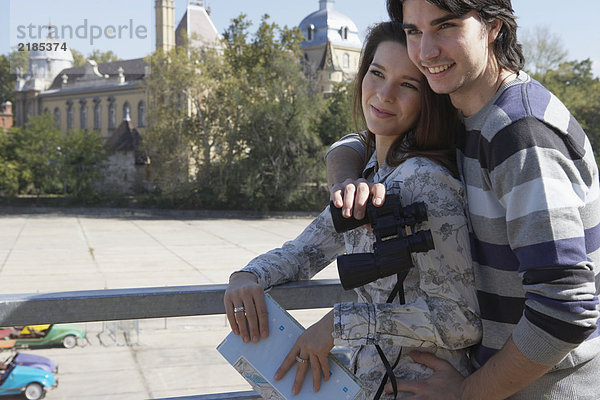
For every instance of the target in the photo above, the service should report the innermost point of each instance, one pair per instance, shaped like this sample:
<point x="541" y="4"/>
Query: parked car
<point x="33" y="360"/>
<point x="31" y="382"/>
<point x="56" y="334"/>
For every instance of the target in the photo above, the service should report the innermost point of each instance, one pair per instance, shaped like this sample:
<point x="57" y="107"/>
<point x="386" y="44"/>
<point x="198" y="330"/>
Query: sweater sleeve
<point x="442" y="310"/>
<point x="301" y="258"/>
<point x="546" y="183"/>
<point x="353" y="141"/>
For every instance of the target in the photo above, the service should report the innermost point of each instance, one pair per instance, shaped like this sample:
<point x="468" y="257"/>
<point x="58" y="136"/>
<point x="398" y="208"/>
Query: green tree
<point x="102" y="56"/>
<point x="235" y="128"/>
<point x="19" y="60"/>
<point x="78" y="58"/>
<point x="336" y="119"/>
<point x="9" y="166"/>
<point x="167" y="141"/>
<point x="574" y="84"/>
<point x="7" y="80"/>
<point x="37" y="153"/>
<point x="283" y="152"/>
<point x="82" y="154"/>
<point x="543" y="50"/>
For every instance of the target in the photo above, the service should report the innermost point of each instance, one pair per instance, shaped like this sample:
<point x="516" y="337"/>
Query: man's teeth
<point x="437" y="70"/>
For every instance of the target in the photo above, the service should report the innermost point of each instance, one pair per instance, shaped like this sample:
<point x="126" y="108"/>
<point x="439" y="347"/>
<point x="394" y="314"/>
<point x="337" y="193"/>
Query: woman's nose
<point x="386" y="93"/>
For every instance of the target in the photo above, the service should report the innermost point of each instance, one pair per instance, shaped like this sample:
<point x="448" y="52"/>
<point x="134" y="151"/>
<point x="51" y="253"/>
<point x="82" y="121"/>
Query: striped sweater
<point x="534" y="205"/>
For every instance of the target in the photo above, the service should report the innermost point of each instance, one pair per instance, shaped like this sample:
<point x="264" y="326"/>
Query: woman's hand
<point x="245" y="295"/>
<point x="313" y="346"/>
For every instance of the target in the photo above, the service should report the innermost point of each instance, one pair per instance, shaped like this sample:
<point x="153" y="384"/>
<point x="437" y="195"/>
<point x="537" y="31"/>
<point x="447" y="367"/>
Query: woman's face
<point x="390" y="91"/>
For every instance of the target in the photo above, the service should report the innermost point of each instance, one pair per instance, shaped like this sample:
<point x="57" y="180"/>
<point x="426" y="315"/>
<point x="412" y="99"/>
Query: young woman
<point x="412" y="130"/>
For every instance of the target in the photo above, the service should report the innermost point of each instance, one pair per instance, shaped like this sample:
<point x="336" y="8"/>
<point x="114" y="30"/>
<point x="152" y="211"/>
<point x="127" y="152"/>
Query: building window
<point x="310" y="30"/>
<point x="346" y="60"/>
<point x="126" y="111"/>
<point x="97" y="114"/>
<point x="69" y="115"/>
<point x="57" y="117"/>
<point x="83" y="115"/>
<point x="344" y="32"/>
<point x="112" y="115"/>
<point x="141" y="114"/>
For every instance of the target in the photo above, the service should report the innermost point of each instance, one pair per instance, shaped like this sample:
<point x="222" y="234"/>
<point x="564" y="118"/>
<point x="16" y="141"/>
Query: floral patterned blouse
<point x="441" y="312"/>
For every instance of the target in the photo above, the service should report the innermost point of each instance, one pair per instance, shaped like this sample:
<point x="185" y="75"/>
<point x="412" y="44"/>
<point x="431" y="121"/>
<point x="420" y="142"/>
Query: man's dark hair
<point x="507" y="50"/>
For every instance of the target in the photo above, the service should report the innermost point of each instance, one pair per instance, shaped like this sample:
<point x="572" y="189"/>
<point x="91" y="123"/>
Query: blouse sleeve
<point x="301" y="258"/>
<point x="444" y="311"/>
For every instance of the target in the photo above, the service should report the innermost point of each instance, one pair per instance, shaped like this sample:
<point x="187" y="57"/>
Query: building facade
<point x="331" y="47"/>
<point x="6" y="116"/>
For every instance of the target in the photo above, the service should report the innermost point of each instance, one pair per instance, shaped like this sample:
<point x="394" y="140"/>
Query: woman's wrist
<point x="242" y="275"/>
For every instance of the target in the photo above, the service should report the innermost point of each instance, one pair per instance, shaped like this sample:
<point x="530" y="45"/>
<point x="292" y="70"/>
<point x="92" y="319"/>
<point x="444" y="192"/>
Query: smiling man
<point x="533" y="206"/>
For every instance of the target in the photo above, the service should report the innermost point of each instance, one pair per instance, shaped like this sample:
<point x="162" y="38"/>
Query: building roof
<point x="54" y="52"/>
<point x="198" y="26"/>
<point x="329" y="25"/>
<point x="125" y="139"/>
<point x="133" y="69"/>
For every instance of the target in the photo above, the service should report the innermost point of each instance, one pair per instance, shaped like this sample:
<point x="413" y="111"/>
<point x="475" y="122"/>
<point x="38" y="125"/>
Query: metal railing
<point x="158" y="302"/>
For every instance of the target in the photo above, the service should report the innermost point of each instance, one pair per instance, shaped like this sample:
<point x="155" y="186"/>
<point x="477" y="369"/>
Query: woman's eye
<point x="376" y="73"/>
<point x="410" y="86"/>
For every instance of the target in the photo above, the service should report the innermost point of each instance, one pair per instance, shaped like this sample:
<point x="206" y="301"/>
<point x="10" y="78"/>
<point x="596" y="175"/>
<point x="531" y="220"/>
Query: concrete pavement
<point x="62" y="250"/>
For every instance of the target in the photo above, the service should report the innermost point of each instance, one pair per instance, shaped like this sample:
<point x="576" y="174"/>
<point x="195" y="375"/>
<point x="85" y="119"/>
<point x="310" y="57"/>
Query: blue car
<point x="31" y="382"/>
<point x="34" y="361"/>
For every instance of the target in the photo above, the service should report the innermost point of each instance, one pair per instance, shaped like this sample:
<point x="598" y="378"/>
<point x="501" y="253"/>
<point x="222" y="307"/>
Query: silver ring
<point x="239" y="309"/>
<point x="300" y="359"/>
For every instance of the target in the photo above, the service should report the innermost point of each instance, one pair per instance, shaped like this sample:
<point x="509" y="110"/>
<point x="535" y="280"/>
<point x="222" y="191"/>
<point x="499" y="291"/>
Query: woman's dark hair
<point x="434" y="135"/>
<point x="507" y="50"/>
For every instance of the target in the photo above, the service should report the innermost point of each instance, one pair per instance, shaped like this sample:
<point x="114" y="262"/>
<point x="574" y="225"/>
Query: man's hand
<point x="444" y="384"/>
<point x="352" y="196"/>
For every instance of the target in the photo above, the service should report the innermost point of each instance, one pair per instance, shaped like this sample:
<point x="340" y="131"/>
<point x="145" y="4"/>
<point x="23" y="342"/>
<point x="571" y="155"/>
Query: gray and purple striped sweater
<point x="534" y="205"/>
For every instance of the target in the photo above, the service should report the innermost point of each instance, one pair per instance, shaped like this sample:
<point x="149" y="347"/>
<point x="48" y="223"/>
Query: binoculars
<point x="392" y="248"/>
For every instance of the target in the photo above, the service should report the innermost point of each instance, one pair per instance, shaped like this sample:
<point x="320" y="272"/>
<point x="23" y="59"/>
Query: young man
<point x="534" y="208"/>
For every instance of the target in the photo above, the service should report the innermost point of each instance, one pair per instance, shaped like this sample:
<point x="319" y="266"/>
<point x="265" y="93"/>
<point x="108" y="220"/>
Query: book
<point x="258" y="362"/>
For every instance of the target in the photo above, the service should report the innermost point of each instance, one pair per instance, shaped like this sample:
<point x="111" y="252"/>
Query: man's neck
<point x="472" y="99"/>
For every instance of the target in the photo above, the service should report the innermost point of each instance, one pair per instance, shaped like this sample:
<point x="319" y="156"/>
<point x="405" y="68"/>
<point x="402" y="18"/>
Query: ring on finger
<point x="239" y="309"/>
<point x="301" y="360"/>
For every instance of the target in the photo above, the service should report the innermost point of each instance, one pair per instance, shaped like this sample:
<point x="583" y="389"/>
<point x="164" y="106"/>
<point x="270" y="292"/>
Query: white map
<point x="257" y="362"/>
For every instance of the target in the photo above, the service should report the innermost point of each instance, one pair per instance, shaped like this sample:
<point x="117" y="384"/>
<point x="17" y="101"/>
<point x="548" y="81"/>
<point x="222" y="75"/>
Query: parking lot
<point x="63" y="250"/>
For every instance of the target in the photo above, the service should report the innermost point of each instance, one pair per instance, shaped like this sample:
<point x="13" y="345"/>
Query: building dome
<point x="329" y="25"/>
<point x="51" y="57"/>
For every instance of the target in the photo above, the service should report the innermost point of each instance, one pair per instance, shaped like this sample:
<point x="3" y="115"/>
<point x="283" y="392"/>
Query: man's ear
<point x="494" y="29"/>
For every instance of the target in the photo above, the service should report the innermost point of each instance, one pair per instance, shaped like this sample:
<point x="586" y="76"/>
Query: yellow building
<point x="108" y="96"/>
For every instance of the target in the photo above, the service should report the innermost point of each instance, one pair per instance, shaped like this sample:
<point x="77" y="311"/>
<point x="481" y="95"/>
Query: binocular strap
<point x="398" y="290"/>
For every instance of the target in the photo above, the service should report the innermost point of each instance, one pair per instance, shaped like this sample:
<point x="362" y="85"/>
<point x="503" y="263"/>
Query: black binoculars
<point x="384" y="219"/>
<point x="392" y="249"/>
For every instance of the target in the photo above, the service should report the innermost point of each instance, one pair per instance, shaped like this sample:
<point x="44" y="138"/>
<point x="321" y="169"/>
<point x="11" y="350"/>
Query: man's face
<point x="451" y="51"/>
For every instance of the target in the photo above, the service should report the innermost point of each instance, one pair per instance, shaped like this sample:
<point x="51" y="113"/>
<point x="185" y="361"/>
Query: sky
<point x="575" y="23"/>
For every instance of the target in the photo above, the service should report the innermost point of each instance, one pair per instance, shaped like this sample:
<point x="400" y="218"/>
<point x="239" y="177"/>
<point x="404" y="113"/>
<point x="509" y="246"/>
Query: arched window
<point x="82" y="114"/>
<point x="69" y="115"/>
<point x="310" y="30"/>
<point x="97" y="114"/>
<point x="344" y="32"/>
<point x="126" y="111"/>
<point x="141" y="114"/>
<point x="346" y="60"/>
<point x="112" y="115"/>
<point x="57" y="117"/>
